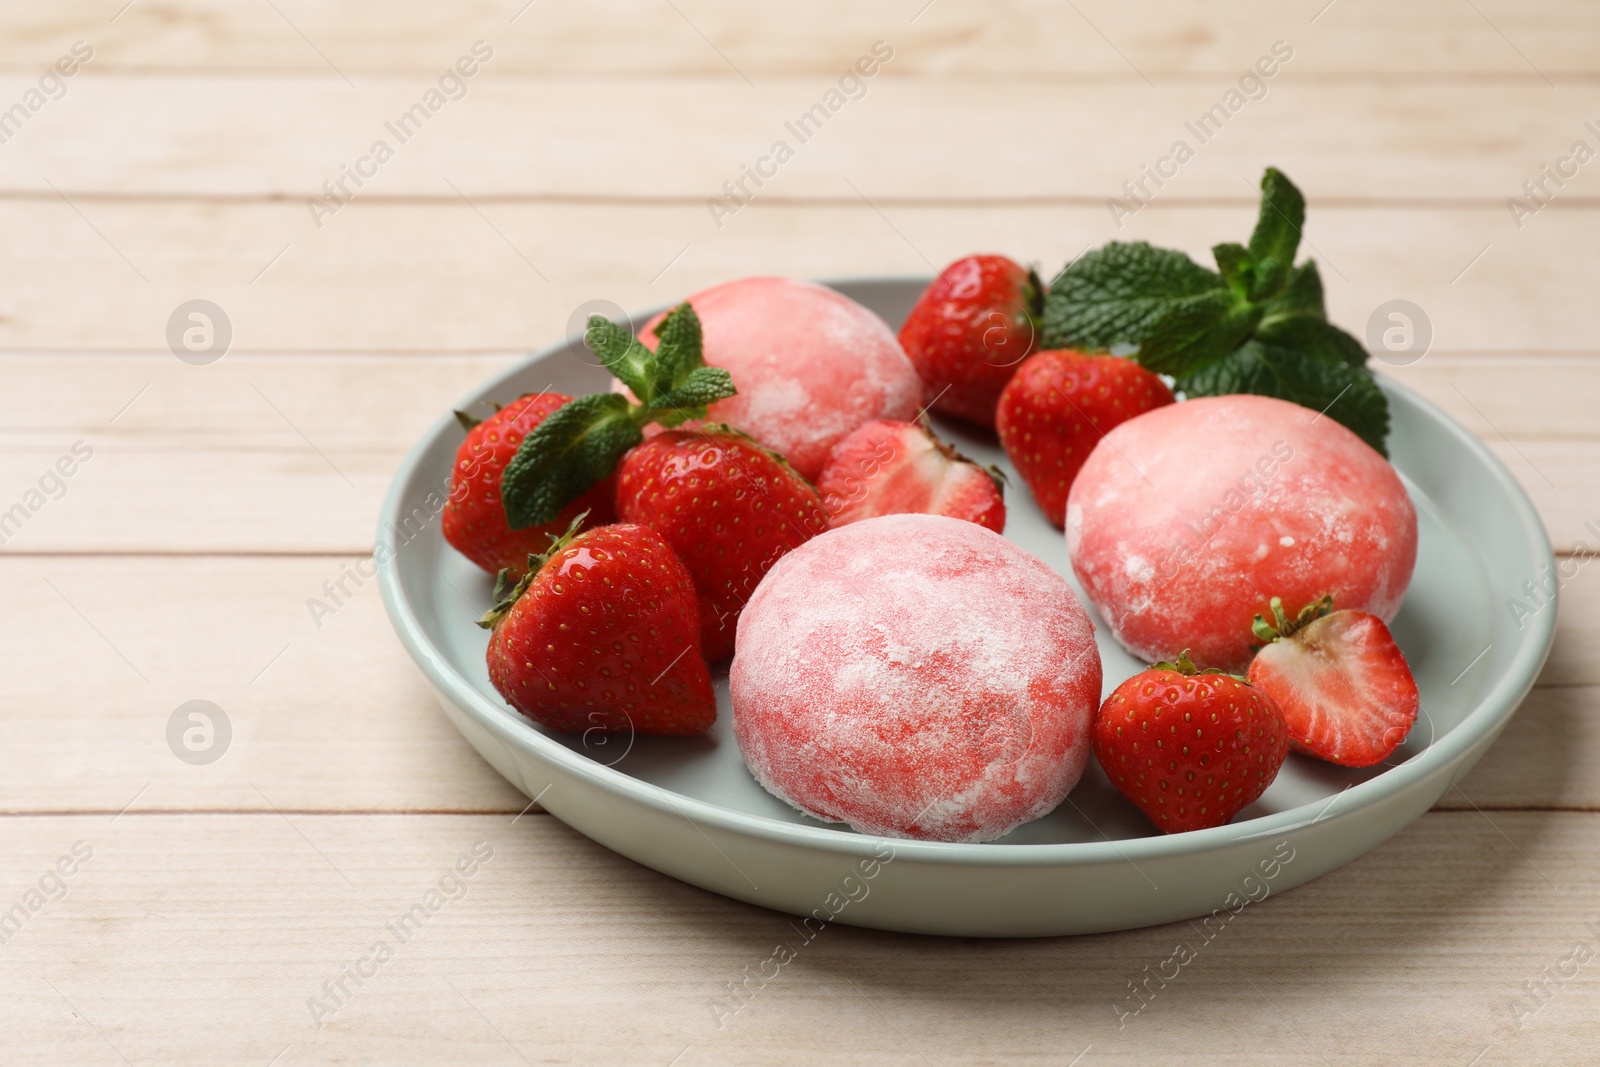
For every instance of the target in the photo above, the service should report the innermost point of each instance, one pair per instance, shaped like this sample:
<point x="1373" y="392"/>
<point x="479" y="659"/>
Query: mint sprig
<point x="1256" y="324"/>
<point x="580" y="443"/>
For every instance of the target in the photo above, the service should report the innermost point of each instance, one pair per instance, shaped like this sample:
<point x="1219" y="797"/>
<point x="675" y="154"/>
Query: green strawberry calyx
<point x="1185" y="666"/>
<point x="1282" y="627"/>
<point x="507" y="591"/>
<point x="580" y="443"/>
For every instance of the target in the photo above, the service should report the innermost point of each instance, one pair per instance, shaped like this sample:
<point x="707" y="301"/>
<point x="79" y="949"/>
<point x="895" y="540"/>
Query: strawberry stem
<point x="1282" y="627"/>
<point x="1185" y="666"/>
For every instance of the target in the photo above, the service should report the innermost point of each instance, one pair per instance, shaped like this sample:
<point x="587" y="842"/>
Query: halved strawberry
<point x="1341" y="681"/>
<point x="890" y="467"/>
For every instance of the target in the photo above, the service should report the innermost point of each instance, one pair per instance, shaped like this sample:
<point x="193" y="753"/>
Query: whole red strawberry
<point x="729" y="508"/>
<point x="970" y="330"/>
<point x="474" y="518"/>
<point x="1058" y="407"/>
<point x="889" y="467"/>
<point x="1346" y="691"/>
<point x="603" y="633"/>
<point x="1190" y="748"/>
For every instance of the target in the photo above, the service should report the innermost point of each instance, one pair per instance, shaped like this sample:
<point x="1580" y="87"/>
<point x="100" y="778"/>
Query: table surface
<point x="205" y="151"/>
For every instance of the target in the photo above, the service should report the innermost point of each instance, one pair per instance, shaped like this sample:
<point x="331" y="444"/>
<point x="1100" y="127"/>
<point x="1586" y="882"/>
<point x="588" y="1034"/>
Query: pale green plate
<point x="690" y="809"/>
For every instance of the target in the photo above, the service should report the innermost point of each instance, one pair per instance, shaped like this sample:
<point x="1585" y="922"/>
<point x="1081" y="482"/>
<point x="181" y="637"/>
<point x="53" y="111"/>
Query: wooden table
<point x="207" y="904"/>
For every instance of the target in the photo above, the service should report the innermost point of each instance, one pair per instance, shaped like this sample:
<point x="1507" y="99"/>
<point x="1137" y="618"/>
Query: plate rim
<point x="1493" y="709"/>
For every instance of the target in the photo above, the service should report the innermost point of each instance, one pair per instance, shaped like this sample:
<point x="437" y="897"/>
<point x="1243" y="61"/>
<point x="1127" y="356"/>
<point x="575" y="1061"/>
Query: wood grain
<point x="188" y="939"/>
<point x="1164" y="40"/>
<point x="579" y="138"/>
<point x="441" y="277"/>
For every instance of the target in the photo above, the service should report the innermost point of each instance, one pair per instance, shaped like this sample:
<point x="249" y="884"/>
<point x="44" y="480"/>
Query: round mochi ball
<point x="810" y="365"/>
<point x="1186" y="521"/>
<point x="915" y="676"/>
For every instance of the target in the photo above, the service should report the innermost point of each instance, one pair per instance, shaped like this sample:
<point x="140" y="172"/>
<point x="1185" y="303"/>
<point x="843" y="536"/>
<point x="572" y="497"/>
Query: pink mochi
<point x="1185" y="521"/>
<point x="915" y="676"/>
<point x="810" y="365"/>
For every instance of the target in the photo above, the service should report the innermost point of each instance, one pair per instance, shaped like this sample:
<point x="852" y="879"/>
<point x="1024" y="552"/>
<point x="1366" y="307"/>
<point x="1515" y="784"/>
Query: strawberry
<point x="603" y="633"/>
<point x="728" y="506"/>
<point x="725" y="504"/>
<point x="896" y="468"/>
<point x="1190" y="748"/>
<point x="969" y="331"/>
<point x="474" y="518"/>
<point x="1343" y="684"/>
<point x="1058" y="407"/>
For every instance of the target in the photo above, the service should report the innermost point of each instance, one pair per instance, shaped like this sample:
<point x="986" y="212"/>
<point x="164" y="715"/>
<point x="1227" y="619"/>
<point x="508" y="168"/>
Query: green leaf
<point x="1283" y="216"/>
<point x="580" y="443"/>
<point x="619" y="351"/>
<point x="1271" y="278"/>
<point x="1256" y="325"/>
<point x="680" y="349"/>
<point x="1238" y="267"/>
<point x="576" y="446"/>
<point x="1332" y="387"/>
<point x="1301" y="293"/>
<point x="704" y="385"/>
<point x="1196" y="331"/>
<point x="1115" y="294"/>
<point x="1314" y="336"/>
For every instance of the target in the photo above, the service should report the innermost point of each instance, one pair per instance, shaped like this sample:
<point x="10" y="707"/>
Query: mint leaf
<point x="620" y="353"/>
<point x="575" y="447"/>
<point x="1283" y="216"/>
<point x="1258" y="324"/>
<point x="680" y="349"/>
<point x="1334" y="388"/>
<point x="1117" y="293"/>
<point x="704" y="385"/>
<point x="1315" y="336"/>
<point x="581" y="442"/>
<point x="1197" y="331"/>
<point x="1238" y="267"/>
<point x="1301" y="293"/>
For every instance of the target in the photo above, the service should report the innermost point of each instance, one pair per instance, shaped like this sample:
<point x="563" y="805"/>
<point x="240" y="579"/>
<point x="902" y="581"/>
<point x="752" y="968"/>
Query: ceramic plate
<point x="690" y="809"/>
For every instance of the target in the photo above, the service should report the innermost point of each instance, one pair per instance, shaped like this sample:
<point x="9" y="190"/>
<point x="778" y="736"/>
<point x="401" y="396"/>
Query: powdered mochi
<point x="1185" y="521"/>
<point x="810" y="365"/>
<point x="915" y="676"/>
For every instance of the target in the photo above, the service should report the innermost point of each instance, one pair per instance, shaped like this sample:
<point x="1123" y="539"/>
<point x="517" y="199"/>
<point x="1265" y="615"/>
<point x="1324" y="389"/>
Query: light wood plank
<point x="327" y="717"/>
<point x="1016" y="39"/>
<point x="1548" y="740"/>
<point x="189" y="940"/>
<point x="578" y="137"/>
<point x="441" y="277"/>
<point x="335" y="717"/>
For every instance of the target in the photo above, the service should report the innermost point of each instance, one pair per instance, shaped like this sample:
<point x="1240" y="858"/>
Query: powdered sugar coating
<point x="810" y="365"/>
<point x="915" y="676"/>
<point x="1186" y="520"/>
